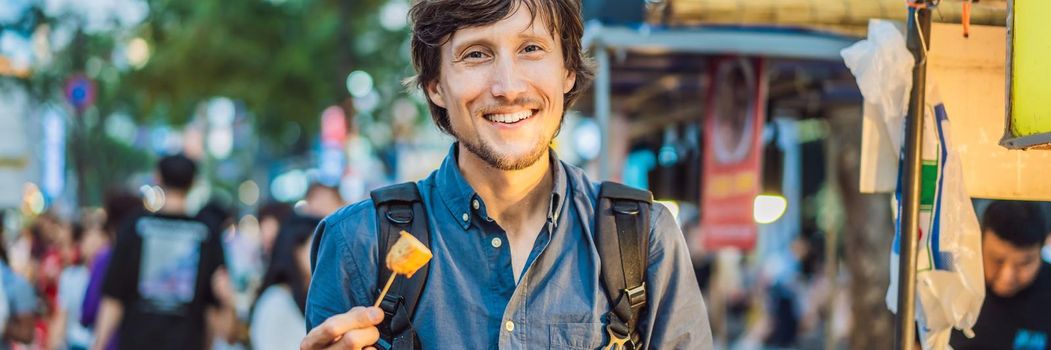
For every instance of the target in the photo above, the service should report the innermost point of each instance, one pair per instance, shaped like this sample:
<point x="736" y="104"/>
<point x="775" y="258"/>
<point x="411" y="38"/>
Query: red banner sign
<point x="734" y="116"/>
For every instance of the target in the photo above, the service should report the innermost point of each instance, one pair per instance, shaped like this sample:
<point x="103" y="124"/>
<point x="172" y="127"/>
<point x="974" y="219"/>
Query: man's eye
<point x="532" y="48"/>
<point x="474" y="55"/>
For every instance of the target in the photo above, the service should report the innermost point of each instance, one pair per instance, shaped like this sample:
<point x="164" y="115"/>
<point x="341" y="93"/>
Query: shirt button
<point x="475" y="204"/>
<point x="497" y="242"/>
<point x="465" y="217"/>
<point x="509" y="326"/>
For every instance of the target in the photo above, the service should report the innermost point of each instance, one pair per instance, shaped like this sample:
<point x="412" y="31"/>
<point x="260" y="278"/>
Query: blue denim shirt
<point x="471" y="300"/>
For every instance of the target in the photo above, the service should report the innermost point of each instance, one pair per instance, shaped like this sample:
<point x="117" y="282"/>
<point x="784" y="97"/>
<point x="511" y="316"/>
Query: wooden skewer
<point x="379" y="300"/>
<point x="383" y="293"/>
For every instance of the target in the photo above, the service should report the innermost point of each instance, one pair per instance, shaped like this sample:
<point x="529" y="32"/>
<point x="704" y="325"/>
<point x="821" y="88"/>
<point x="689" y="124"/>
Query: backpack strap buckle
<point x="621" y="342"/>
<point x="400" y="214"/>
<point x="636" y="296"/>
<point x="625" y="207"/>
<point x="390" y="304"/>
<point x="616" y="342"/>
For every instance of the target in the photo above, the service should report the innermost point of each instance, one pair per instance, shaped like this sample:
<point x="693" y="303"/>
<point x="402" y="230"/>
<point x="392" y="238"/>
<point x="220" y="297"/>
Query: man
<point x="1017" y="309"/>
<point x="165" y="274"/>
<point x="511" y="227"/>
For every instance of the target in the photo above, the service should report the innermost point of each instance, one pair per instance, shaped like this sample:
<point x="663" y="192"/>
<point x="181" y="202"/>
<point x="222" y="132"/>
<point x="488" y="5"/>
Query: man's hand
<point x="355" y="329"/>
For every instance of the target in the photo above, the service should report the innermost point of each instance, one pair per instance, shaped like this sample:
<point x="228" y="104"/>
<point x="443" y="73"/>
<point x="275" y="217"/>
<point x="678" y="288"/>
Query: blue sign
<point x="80" y="91"/>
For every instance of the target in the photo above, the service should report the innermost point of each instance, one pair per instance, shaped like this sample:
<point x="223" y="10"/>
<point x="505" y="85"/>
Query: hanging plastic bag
<point x="950" y="285"/>
<point x="882" y="66"/>
<point x="950" y="282"/>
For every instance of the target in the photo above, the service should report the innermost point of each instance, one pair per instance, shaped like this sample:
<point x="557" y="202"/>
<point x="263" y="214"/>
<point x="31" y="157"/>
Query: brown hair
<point x="435" y="20"/>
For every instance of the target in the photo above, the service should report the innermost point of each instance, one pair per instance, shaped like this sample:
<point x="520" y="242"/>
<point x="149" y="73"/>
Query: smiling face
<point x="503" y="86"/>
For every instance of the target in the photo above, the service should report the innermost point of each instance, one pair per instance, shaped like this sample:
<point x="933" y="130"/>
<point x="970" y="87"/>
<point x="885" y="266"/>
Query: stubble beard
<point x="489" y="155"/>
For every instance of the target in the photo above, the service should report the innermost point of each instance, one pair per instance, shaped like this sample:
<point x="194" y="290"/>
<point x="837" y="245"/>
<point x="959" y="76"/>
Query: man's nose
<point x="507" y="80"/>
<point x="1007" y="274"/>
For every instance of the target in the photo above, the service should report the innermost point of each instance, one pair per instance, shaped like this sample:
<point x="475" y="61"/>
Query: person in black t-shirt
<point x="1016" y="314"/>
<point x="165" y="274"/>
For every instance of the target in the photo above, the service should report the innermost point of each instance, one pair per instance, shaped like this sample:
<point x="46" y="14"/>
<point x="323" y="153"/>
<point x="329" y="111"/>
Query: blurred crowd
<point x="59" y="275"/>
<point x="781" y="300"/>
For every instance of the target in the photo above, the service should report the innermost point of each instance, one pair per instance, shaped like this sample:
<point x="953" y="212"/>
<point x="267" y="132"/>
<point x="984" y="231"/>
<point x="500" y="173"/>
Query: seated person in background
<point x="1017" y="310"/>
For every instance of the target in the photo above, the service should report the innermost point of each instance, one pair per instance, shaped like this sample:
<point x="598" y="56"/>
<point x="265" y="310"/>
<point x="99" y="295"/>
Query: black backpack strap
<point x="623" y="226"/>
<point x="399" y="208"/>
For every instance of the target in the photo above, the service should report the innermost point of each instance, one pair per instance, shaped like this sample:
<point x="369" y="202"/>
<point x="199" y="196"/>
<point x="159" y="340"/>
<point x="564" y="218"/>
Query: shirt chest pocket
<point x="576" y="336"/>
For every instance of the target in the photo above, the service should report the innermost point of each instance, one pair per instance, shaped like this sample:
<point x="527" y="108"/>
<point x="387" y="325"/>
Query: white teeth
<point x="509" y="118"/>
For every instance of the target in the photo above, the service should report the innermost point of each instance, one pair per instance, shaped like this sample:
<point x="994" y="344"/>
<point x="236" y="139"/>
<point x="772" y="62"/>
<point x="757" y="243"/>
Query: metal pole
<point x="918" y="41"/>
<point x="602" y="108"/>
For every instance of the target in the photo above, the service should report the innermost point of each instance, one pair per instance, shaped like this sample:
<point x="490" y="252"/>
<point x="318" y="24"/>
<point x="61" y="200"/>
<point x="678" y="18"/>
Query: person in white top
<point x="277" y="320"/>
<point x="67" y="332"/>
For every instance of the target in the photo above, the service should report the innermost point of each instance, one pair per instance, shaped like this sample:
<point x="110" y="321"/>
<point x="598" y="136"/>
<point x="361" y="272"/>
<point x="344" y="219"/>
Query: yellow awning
<point x="843" y="16"/>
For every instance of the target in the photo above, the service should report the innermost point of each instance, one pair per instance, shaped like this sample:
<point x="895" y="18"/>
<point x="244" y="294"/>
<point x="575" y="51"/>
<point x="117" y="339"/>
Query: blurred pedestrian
<point x="270" y="217"/>
<point x="23" y="305"/>
<point x="66" y="330"/>
<point x="243" y="267"/>
<point x="321" y="200"/>
<point x="218" y="216"/>
<point x="120" y="205"/>
<point x="1016" y="313"/>
<point x="278" y="315"/>
<point x="165" y="273"/>
<point x="51" y="251"/>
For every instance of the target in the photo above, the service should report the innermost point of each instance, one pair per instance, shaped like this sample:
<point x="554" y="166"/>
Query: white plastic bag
<point x="950" y="280"/>
<point x="882" y="66"/>
<point x="950" y="285"/>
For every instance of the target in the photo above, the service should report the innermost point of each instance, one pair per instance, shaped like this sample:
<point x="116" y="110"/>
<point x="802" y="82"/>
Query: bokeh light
<point x="769" y="208"/>
<point x="359" y="83"/>
<point x="248" y="192"/>
<point x="138" y="52"/>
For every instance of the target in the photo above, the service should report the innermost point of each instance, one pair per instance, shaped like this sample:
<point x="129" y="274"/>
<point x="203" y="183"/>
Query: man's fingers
<point x="338" y="326"/>
<point x="360" y="338"/>
<point x="358" y="317"/>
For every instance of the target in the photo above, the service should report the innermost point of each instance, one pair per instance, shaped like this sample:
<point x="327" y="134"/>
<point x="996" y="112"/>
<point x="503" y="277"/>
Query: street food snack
<point x="407" y="255"/>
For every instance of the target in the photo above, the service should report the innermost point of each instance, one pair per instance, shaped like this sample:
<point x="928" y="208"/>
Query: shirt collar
<point x="559" y="190"/>
<point x="457" y="194"/>
<point x="454" y="189"/>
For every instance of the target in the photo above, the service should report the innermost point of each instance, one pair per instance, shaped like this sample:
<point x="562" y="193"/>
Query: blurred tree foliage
<point x="284" y="61"/>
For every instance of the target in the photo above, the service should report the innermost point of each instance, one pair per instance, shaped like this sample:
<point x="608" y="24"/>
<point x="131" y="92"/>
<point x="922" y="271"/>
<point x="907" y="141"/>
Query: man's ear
<point x="434" y="92"/>
<point x="571" y="79"/>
